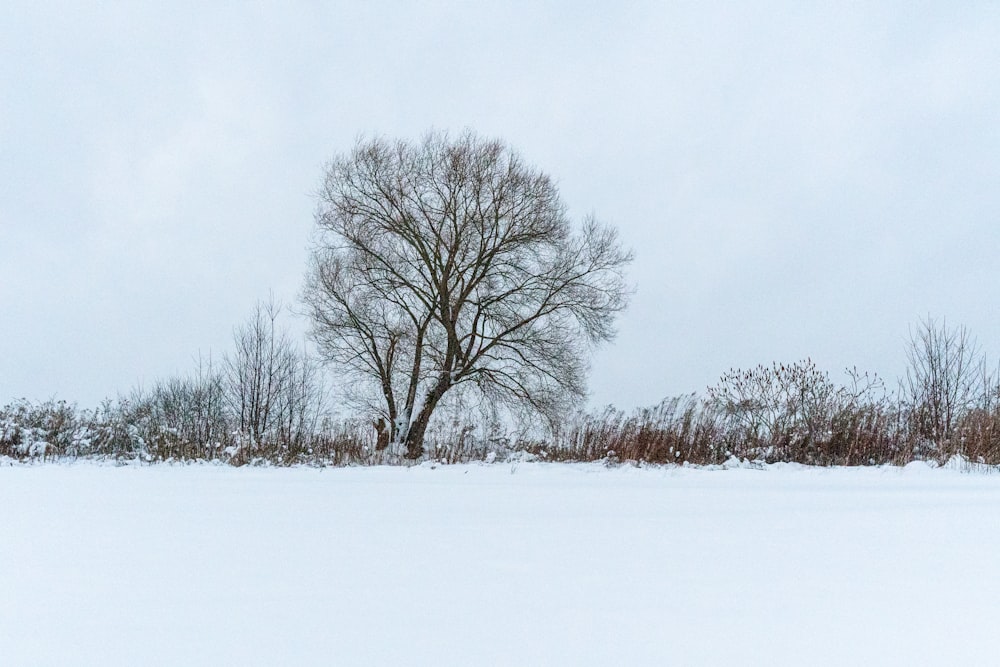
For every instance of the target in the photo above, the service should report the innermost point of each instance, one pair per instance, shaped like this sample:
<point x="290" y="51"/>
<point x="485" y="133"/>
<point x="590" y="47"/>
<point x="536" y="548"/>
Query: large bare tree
<point x="450" y="262"/>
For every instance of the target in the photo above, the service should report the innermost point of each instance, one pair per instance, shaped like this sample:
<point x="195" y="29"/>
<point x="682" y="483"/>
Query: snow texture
<point x="533" y="564"/>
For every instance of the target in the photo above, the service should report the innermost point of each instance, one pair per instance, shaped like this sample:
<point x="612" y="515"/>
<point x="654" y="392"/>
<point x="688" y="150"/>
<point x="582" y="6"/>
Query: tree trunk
<point x="415" y="435"/>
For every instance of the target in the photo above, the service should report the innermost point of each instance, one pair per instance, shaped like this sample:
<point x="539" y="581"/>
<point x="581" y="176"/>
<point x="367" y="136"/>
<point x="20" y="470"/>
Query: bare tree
<point x="190" y="412"/>
<point x="274" y="391"/>
<point x="302" y="401"/>
<point x="945" y="379"/>
<point x="451" y="262"/>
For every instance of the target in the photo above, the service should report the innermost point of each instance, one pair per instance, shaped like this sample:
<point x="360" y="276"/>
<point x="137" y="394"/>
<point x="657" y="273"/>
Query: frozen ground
<point x="474" y="565"/>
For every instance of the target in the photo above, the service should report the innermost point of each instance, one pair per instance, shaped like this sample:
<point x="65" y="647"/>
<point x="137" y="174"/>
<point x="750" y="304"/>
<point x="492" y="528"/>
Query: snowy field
<point x="496" y="565"/>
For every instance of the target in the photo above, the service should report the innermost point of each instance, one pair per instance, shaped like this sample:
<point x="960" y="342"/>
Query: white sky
<point x="797" y="179"/>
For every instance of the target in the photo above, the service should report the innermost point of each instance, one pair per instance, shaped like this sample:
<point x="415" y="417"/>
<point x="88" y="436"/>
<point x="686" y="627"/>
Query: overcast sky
<point x="797" y="179"/>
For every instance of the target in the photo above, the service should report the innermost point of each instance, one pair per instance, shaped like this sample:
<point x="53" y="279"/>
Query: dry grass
<point x="783" y="412"/>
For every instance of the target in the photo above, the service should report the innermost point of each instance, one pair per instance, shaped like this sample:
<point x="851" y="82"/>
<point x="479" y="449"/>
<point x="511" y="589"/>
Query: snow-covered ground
<point x="498" y="565"/>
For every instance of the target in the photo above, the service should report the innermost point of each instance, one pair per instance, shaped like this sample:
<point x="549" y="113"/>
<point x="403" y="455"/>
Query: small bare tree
<point x="453" y="262"/>
<point x="190" y="412"/>
<point x="273" y="390"/>
<point x="945" y="379"/>
<point x="302" y="402"/>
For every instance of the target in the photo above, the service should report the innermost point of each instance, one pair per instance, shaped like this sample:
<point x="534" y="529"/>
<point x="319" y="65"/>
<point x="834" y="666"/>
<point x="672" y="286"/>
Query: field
<point x="529" y="564"/>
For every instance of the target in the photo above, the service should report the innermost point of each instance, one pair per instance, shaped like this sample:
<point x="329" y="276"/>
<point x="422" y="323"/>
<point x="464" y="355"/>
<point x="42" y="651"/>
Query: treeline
<point x="266" y="403"/>
<point x="947" y="405"/>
